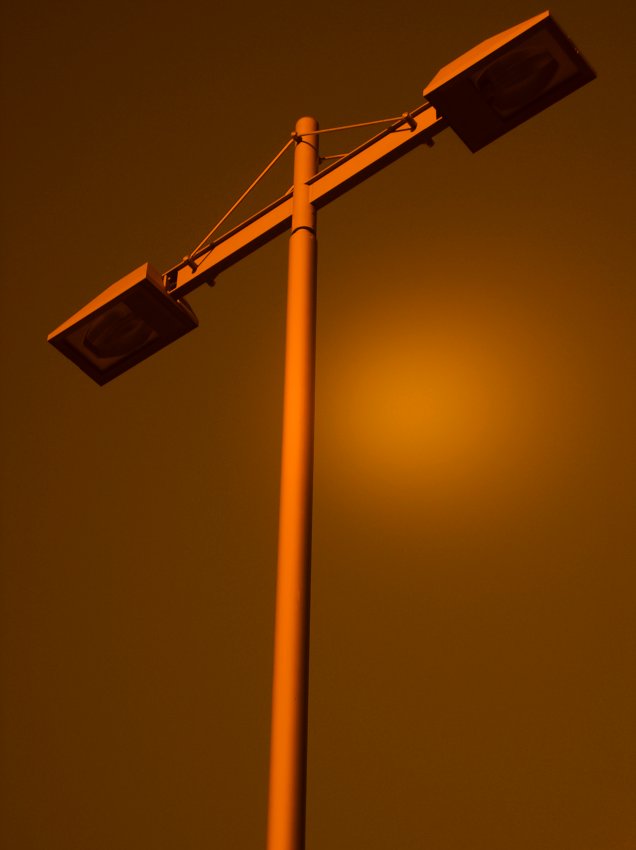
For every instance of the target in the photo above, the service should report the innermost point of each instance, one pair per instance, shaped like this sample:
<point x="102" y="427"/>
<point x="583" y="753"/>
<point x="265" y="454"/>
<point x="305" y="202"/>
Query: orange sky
<point x="472" y="617"/>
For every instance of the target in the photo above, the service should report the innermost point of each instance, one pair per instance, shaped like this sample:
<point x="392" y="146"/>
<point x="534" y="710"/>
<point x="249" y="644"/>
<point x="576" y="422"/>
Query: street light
<point x="128" y="322"/>
<point x="507" y="79"/>
<point x="481" y="95"/>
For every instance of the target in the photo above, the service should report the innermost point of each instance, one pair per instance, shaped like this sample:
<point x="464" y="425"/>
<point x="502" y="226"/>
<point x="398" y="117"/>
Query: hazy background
<point x="472" y="650"/>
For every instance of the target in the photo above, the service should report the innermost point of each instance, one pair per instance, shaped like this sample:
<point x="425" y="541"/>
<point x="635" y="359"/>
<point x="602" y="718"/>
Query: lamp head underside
<point x="507" y="79"/>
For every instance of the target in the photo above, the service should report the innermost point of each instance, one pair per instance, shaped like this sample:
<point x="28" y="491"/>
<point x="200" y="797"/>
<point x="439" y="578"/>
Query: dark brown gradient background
<point x="472" y="650"/>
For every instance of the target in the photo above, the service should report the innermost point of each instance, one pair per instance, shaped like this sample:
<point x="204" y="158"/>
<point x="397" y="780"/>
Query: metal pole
<point x="288" y="754"/>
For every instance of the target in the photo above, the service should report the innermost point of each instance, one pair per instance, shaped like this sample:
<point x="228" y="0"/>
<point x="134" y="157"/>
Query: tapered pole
<point x="288" y="754"/>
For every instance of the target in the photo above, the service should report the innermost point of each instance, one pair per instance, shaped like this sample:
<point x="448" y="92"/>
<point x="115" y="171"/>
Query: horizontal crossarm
<point x="376" y="154"/>
<point x="364" y="161"/>
<point x="234" y="245"/>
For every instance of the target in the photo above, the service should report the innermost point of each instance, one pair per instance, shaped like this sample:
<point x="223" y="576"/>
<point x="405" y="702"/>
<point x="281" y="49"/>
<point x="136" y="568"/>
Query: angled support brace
<point x="374" y="155"/>
<point x="362" y="162"/>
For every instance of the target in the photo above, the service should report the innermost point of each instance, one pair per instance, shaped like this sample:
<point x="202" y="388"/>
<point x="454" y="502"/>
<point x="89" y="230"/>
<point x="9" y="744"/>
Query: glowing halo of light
<point x="445" y="402"/>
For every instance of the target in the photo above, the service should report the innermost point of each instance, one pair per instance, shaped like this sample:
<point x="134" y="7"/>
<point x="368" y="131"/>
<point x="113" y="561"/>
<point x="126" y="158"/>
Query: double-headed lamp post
<point x="481" y="95"/>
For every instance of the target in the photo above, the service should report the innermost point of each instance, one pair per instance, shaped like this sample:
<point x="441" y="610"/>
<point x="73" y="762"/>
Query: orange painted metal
<point x="237" y="243"/>
<point x="362" y="162"/>
<point x="507" y="79"/>
<point x="375" y="154"/>
<point x="124" y="325"/>
<point x="288" y="755"/>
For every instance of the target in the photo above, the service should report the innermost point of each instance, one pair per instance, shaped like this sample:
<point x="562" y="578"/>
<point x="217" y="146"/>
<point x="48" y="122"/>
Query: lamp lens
<point x="117" y="333"/>
<point x="517" y="79"/>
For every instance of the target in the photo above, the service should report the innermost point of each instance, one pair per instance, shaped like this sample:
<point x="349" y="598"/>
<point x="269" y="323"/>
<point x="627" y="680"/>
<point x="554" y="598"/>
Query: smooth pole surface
<point x="288" y="754"/>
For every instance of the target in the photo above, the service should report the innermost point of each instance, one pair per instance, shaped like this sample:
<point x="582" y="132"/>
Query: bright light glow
<point x="446" y="408"/>
<point x="432" y="407"/>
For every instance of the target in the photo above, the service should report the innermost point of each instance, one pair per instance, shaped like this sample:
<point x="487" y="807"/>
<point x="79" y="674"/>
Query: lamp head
<point x="128" y="322"/>
<point x="507" y="79"/>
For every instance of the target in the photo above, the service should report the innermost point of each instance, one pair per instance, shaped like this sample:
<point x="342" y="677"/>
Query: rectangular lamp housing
<point x="507" y="79"/>
<point x="128" y="322"/>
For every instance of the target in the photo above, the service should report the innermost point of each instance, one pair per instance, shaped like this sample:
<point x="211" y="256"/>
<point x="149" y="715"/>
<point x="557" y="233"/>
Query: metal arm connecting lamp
<point x="481" y="95"/>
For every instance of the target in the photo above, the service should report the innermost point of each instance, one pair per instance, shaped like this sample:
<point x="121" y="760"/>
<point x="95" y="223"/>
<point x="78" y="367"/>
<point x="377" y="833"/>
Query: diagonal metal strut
<point x="329" y="184"/>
